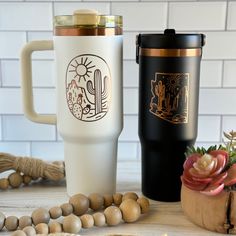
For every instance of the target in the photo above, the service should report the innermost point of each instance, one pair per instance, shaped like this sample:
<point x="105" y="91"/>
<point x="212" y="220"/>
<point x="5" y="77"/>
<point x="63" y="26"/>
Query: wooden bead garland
<point x="33" y="167"/>
<point x="28" y="169"/>
<point x="16" y="180"/>
<point x="75" y="217"/>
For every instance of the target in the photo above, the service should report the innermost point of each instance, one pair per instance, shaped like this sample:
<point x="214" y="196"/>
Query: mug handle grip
<point x="26" y="81"/>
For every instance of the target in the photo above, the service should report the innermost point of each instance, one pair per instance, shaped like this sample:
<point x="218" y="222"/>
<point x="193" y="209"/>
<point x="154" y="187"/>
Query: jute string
<point x="33" y="167"/>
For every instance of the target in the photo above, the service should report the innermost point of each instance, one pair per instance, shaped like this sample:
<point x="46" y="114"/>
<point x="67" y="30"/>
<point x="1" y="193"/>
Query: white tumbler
<point x="88" y="63"/>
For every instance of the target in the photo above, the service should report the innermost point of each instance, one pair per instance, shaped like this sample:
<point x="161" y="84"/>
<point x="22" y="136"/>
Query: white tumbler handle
<point x="26" y="81"/>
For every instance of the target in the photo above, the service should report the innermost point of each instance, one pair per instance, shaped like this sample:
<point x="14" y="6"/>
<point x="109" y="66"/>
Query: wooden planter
<point x="215" y="213"/>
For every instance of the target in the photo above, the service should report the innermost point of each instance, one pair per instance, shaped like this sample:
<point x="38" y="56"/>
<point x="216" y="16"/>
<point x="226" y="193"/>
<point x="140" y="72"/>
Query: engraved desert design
<point x="88" y="90"/>
<point x="169" y="100"/>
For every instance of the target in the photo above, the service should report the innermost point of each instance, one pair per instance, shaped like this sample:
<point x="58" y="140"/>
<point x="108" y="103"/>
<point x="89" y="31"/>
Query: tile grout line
<point x="222" y="74"/>
<point x="30" y="148"/>
<point x="226" y="15"/>
<point x="221" y="128"/>
<point x="53" y="9"/>
<point x="167" y="15"/>
<point x="110" y="7"/>
<point x="1" y="80"/>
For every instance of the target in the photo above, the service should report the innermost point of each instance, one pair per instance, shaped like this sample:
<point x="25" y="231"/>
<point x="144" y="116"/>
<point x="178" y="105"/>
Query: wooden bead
<point x="144" y="204"/>
<point x="99" y="219"/>
<point x="55" y="227"/>
<point x="30" y="231"/>
<point x="11" y="223"/>
<point x="108" y="200"/>
<point x="130" y="195"/>
<point x="2" y="220"/>
<point x="25" y="221"/>
<point x="130" y="210"/>
<point x="55" y="212"/>
<point x="96" y="201"/>
<point x="117" y="198"/>
<point x="113" y="215"/>
<point x="41" y="228"/>
<point x="71" y="224"/>
<point x="67" y="209"/>
<point x="80" y="204"/>
<point x="15" y="179"/>
<point x="26" y="179"/>
<point x="4" y="183"/>
<point x="40" y="215"/>
<point x="87" y="221"/>
<point x="19" y="233"/>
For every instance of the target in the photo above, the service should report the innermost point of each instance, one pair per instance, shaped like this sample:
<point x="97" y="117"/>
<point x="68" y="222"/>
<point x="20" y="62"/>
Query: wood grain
<point x="164" y="219"/>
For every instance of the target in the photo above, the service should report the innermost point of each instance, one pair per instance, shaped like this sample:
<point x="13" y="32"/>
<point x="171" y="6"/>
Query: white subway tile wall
<point x="25" y="16"/>
<point x="24" y="20"/>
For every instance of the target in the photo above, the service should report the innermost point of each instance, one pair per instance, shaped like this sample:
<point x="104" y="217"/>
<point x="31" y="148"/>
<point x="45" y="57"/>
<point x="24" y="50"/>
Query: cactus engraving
<point x="88" y="89"/>
<point x="99" y="93"/>
<point x="160" y="93"/>
<point x="169" y="99"/>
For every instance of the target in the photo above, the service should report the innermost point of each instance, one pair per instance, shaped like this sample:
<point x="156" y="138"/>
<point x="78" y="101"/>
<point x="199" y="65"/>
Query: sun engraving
<point x="81" y="69"/>
<point x="172" y="82"/>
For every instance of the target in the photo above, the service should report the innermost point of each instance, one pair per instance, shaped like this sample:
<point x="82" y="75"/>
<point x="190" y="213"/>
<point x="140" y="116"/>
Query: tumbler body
<point x="168" y="117"/>
<point x="89" y="102"/>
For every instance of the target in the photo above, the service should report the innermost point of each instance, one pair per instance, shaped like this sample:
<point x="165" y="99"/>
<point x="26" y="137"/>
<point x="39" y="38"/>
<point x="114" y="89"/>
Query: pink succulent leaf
<point x="220" y="164"/>
<point x="231" y="178"/>
<point x="191" y="160"/>
<point x="215" y="166"/>
<point x="215" y="153"/>
<point x="219" y="179"/>
<point x="213" y="190"/>
<point x="224" y="153"/>
<point x="202" y="180"/>
<point x="198" y="174"/>
<point x="194" y="185"/>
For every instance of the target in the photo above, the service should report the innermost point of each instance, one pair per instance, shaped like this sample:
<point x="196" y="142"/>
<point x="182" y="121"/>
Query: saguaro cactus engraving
<point x="168" y="105"/>
<point x="160" y="93"/>
<point x="95" y="88"/>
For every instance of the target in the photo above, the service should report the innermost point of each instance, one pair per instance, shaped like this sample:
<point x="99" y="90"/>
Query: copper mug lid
<point x="87" y="22"/>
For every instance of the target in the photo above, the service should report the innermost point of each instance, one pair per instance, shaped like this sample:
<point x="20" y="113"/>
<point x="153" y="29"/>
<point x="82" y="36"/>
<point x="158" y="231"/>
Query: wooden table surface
<point x="164" y="219"/>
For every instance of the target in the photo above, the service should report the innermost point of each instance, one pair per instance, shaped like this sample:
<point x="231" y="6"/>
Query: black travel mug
<point x="169" y="69"/>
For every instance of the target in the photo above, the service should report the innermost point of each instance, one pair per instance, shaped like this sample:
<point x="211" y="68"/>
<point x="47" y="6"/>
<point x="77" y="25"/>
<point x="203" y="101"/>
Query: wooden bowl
<point x="215" y="213"/>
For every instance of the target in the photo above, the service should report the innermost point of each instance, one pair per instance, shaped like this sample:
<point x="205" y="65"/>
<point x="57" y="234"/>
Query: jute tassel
<point x="33" y="167"/>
